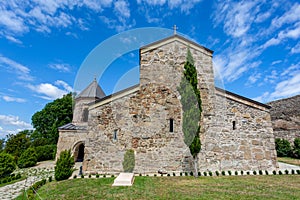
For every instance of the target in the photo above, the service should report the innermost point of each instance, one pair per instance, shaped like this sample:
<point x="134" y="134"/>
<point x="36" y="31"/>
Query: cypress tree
<point x="191" y="106"/>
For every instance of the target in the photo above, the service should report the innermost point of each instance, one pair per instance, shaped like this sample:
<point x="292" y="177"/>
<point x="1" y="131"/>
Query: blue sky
<point x="44" y="42"/>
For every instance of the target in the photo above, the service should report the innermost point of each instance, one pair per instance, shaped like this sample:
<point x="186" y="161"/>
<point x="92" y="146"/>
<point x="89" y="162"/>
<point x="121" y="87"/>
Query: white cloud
<point x="271" y="78"/>
<point x="287" y="88"/>
<point x="121" y="7"/>
<point x="287" y="84"/>
<point x="14" y="67"/>
<point x="13" y="39"/>
<point x="253" y="78"/>
<point x="62" y="67"/>
<point x="184" y="5"/>
<point x="236" y="16"/>
<point x="292" y="70"/>
<point x="296" y="49"/>
<point x="13" y="99"/>
<point x="64" y="85"/>
<point x="13" y="121"/>
<point x="19" y="17"/>
<point x="49" y="91"/>
<point x="289" y="17"/>
<point x="276" y="62"/>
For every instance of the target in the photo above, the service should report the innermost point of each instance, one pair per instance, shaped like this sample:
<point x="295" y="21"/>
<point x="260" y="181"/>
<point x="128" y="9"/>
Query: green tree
<point x="191" y="106"/>
<point x="17" y="144"/>
<point x="283" y="147"/>
<point x="296" y="148"/>
<point x="7" y="164"/>
<point x="64" y="166"/>
<point x="52" y="116"/>
<point x="28" y="158"/>
<point x="2" y="141"/>
<point x="45" y="152"/>
<point x="129" y="161"/>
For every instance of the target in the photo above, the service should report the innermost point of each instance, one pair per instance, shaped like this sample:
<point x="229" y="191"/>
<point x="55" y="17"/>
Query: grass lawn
<point x="223" y="187"/>
<point x="288" y="160"/>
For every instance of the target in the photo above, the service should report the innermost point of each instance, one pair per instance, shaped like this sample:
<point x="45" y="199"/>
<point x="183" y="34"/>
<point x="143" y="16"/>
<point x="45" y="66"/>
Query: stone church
<point x="236" y="132"/>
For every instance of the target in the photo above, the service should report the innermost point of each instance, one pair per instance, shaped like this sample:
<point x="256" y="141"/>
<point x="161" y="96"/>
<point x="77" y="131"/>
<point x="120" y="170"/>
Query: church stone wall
<point x="247" y="146"/>
<point x="69" y="140"/>
<point x="141" y="121"/>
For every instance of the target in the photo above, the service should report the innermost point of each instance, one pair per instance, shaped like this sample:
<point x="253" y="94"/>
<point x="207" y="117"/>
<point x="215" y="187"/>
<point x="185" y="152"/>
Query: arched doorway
<point x="79" y="152"/>
<point x="80" y="155"/>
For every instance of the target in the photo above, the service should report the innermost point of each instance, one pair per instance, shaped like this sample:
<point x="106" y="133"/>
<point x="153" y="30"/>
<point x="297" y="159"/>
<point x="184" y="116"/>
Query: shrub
<point x="229" y="172"/>
<point x="283" y="147"/>
<point x="185" y="173"/>
<point x="242" y="172"/>
<point x="7" y="164"/>
<point x="199" y="173"/>
<point x="217" y="173"/>
<point x="28" y="158"/>
<point x="18" y="176"/>
<point x="191" y="174"/>
<point x="180" y="173"/>
<point x="75" y="176"/>
<point x="50" y="178"/>
<point x="129" y="161"/>
<point x="210" y="173"/>
<point x="274" y="172"/>
<point x="296" y="148"/>
<point x="293" y="171"/>
<point x="266" y="172"/>
<point x="155" y="175"/>
<point x="97" y="175"/>
<point x="64" y="166"/>
<point x="140" y="174"/>
<point x="90" y="176"/>
<point x="82" y="176"/>
<point x="114" y="175"/>
<point x="168" y="175"/>
<point x="286" y="171"/>
<point x="236" y="173"/>
<point x="298" y="171"/>
<point x="254" y="172"/>
<point x="260" y="172"/>
<point x="205" y="173"/>
<point x="280" y="172"/>
<point x="174" y="174"/>
<point x="223" y="173"/>
<point x="248" y="173"/>
<point x="45" y="152"/>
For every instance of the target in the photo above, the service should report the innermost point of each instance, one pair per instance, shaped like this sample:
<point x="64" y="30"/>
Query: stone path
<point x="40" y="171"/>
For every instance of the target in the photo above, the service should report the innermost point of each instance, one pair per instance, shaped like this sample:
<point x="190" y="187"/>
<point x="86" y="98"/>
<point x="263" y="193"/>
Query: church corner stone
<point x="236" y="133"/>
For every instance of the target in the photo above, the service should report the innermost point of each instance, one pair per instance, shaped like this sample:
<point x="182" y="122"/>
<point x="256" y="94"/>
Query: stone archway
<point x="79" y="152"/>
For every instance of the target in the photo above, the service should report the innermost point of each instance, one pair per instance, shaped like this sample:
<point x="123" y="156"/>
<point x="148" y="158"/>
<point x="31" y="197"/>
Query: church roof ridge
<point x="93" y="90"/>
<point x="177" y="36"/>
<point x="242" y="97"/>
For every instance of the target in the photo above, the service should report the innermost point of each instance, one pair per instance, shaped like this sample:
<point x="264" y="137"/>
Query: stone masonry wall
<point x="250" y="146"/>
<point x="70" y="140"/>
<point x="141" y="121"/>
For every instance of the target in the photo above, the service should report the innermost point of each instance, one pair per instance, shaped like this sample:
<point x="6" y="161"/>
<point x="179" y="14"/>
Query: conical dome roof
<point x="92" y="91"/>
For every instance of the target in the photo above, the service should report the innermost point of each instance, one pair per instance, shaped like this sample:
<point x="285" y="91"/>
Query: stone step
<point x="124" y="179"/>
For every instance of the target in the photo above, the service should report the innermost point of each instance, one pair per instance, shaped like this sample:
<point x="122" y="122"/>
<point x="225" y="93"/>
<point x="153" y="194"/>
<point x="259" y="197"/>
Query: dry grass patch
<point x="288" y="160"/>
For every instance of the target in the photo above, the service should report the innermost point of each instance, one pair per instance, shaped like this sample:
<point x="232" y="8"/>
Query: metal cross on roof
<point x="175" y="28"/>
